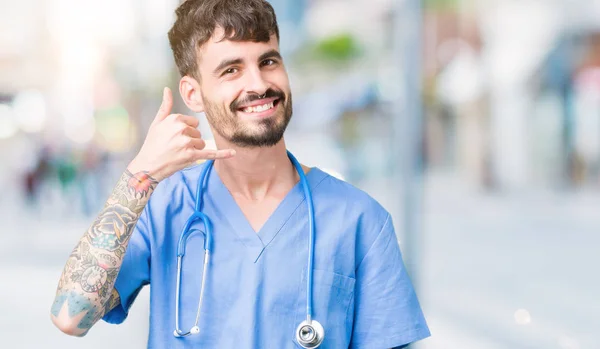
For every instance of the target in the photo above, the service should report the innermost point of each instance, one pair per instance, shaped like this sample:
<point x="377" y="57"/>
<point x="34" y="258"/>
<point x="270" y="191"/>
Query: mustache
<point x="270" y="93"/>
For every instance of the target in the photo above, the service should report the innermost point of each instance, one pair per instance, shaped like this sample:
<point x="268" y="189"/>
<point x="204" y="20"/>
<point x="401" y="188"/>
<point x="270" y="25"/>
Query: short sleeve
<point x="387" y="311"/>
<point x="135" y="270"/>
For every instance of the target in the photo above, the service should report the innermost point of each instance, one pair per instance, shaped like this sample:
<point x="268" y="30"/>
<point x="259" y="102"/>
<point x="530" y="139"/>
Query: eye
<point x="230" y="71"/>
<point x="268" y="62"/>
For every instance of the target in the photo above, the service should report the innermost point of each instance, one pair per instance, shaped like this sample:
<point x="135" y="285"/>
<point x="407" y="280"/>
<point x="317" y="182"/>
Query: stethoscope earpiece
<point x="179" y="334"/>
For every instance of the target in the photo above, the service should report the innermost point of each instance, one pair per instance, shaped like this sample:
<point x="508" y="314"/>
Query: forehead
<point x="217" y="49"/>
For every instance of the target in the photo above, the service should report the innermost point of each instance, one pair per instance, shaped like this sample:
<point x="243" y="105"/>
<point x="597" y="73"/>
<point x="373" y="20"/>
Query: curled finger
<point x="188" y="120"/>
<point x="197" y="143"/>
<point x="192" y="132"/>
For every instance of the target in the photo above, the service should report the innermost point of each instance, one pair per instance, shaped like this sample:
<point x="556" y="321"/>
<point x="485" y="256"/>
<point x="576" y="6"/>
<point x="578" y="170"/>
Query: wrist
<point x="144" y="170"/>
<point x="140" y="182"/>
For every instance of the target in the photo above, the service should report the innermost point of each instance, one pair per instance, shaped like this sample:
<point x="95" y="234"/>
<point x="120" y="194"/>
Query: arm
<point x="85" y="290"/>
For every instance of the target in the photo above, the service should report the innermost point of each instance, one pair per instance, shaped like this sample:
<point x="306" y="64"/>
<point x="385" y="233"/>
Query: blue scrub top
<point x="255" y="294"/>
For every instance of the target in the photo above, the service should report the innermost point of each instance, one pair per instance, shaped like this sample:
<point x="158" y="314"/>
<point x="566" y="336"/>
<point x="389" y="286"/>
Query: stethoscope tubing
<point x="311" y="235"/>
<point x="198" y="215"/>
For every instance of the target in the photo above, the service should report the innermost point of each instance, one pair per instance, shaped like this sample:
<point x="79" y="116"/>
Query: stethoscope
<point x="309" y="333"/>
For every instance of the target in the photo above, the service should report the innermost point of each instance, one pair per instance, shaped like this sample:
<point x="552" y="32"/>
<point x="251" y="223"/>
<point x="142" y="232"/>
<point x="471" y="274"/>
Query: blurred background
<point x="476" y="123"/>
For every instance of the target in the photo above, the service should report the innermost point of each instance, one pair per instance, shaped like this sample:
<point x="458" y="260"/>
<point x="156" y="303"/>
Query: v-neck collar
<point x="229" y="210"/>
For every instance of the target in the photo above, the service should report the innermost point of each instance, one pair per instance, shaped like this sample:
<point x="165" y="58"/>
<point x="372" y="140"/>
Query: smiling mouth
<point x="260" y="108"/>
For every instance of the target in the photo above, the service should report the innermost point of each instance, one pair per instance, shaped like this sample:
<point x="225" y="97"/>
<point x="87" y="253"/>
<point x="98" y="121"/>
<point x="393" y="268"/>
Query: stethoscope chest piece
<point x="310" y="334"/>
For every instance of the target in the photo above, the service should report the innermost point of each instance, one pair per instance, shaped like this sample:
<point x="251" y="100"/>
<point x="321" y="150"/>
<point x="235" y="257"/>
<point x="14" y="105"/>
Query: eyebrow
<point x="269" y="54"/>
<point x="227" y="62"/>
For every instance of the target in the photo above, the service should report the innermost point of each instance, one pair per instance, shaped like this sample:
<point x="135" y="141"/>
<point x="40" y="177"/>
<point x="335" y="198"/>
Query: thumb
<point x="166" y="105"/>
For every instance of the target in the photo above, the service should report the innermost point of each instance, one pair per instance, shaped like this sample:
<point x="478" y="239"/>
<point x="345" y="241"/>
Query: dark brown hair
<point x="241" y="20"/>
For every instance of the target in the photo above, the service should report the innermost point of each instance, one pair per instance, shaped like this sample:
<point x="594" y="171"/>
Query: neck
<point x="255" y="173"/>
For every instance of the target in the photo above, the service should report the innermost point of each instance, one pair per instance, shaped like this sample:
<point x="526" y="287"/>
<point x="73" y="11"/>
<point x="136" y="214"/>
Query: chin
<point x="257" y="140"/>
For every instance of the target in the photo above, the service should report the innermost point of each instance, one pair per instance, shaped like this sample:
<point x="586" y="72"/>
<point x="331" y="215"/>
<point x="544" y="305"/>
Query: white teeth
<point x="258" y="108"/>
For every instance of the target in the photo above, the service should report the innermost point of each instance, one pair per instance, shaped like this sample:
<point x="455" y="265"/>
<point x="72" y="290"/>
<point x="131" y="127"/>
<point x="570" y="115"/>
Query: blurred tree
<point x="339" y="48"/>
<point x="441" y="4"/>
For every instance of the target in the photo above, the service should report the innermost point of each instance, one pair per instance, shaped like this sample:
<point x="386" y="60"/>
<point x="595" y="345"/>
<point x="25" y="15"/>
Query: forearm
<point x="86" y="287"/>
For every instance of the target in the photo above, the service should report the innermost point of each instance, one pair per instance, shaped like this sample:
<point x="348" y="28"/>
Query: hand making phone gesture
<point x="173" y="143"/>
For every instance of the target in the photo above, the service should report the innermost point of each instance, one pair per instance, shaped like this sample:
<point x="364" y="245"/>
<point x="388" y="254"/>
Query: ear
<point x="189" y="88"/>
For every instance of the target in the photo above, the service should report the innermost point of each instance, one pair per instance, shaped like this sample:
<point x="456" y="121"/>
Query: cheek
<point x="278" y="78"/>
<point x="283" y="83"/>
<point x="219" y="93"/>
<point x="228" y="94"/>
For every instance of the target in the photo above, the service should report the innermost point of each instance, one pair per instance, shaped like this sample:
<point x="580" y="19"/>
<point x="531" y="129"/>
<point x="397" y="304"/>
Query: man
<point x="255" y="292"/>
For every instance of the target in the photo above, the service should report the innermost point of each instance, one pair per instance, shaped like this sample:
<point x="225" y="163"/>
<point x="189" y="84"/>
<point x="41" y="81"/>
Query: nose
<point x="256" y="83"/>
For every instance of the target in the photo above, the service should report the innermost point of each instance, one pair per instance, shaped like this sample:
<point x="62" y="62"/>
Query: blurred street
<point x="510" y="271"/>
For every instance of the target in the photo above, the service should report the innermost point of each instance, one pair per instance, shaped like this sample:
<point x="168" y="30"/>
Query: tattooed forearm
<point x="86" y="287"/>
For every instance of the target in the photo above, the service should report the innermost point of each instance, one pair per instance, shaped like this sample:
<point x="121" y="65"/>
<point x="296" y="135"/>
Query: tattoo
<point x="112" y="302"/>
<point x="77" y="304"/>
<point x="141" y="184"/>
<point x="70" y="266"/>
<point x="86" y="286"/>
<point x="92" y="276"/>
<point x="138" y="185"/>
<point x="109" y="258"/>
<point x="112" y="229"/>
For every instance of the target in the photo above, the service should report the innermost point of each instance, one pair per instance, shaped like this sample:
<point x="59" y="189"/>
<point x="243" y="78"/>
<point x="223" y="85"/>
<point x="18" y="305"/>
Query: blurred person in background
<point x="91" y="181"/>
<point x="256" y="196"/>
<point x="67" y="172"/>
<point x="33" y="178"/>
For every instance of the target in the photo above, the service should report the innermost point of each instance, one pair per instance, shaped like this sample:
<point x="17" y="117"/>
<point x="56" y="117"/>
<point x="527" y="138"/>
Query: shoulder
<point x="352" y="212"/>
<point x="343" y="195"/>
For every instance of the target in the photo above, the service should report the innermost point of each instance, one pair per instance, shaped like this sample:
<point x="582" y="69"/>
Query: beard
<point x="262" y="133"/>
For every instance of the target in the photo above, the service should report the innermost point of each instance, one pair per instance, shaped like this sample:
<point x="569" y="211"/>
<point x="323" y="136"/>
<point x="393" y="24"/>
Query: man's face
<point x="245" y="89"/>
